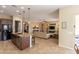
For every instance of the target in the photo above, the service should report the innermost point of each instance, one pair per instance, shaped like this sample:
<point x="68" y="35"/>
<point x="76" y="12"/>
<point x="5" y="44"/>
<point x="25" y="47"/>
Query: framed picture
<point x="64" y="25"/>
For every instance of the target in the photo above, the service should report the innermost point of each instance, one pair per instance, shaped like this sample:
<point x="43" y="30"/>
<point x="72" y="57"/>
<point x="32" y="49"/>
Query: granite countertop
<point x="22" y="34"/>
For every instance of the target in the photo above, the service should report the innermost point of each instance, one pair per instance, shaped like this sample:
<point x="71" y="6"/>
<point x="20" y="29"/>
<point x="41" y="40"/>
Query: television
<point x="51" y="27"/>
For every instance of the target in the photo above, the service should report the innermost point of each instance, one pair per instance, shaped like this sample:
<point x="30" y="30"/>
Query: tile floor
<point x="42" y="46"/>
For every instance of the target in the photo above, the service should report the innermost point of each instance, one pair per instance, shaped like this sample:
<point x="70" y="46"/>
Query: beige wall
<point x="5" y="17"/>
<point x="67" y="36"/>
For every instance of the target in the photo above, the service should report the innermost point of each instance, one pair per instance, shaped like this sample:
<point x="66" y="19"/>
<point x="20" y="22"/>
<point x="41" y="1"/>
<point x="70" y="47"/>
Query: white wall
<point x="67" y="36"/>
<point x="77" y="25"/>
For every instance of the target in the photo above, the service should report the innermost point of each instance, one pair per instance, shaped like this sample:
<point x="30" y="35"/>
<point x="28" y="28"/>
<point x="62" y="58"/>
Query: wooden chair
<point x="33" y="40"/>
<point x="76" y="48"/>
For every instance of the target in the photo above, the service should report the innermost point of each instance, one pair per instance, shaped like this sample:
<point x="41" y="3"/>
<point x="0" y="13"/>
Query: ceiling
<point x="36" y="11"/>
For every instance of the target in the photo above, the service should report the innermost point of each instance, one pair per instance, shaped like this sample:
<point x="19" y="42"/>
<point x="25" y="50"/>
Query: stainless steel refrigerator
<point x="6" y="31"/>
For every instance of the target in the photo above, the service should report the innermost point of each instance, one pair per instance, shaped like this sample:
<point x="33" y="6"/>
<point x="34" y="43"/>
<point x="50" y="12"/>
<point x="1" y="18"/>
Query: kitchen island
<point x="22" y="41"/>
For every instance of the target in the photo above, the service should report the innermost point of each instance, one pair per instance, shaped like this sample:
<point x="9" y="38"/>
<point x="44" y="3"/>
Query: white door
<point x="77" y="30"/>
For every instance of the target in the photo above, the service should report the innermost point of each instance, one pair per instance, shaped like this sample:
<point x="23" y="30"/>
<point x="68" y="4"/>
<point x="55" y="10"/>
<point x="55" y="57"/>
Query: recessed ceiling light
<point x="17" y="10"/>
<point x="1" y="11"/>
<point x="3" y="6"/>
<point x="22" y="7"/>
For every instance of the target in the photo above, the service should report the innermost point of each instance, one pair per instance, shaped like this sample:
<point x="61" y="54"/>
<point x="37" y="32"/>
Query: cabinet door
<point x="25" y="42"/>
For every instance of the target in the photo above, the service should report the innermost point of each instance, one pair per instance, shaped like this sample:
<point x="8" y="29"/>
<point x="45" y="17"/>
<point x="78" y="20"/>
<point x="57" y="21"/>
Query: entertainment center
<point x="51" y="28"/>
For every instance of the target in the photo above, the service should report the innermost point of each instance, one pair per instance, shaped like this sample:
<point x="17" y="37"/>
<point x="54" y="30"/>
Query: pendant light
<point x="28" y="14"/>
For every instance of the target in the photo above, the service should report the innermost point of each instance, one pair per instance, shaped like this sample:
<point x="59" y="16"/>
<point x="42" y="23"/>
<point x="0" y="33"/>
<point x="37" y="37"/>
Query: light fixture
<point x="28" y="14"/>
<point x="24" y="15"/>
<point x="17" y="10"/>
<point x="3" y="6"/>
<point x="23" y="23"/>
<point x="22" y="7"/>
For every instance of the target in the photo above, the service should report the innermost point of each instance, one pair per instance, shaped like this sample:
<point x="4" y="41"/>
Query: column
<point x="30" y="33"/>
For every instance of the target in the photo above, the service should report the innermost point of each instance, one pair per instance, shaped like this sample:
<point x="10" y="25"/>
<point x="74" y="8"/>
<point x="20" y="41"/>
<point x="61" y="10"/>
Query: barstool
<point x="33" y="40"/>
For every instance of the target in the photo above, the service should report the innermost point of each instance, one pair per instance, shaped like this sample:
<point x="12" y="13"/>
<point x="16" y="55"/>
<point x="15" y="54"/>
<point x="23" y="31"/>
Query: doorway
<point x="77" y="33"/>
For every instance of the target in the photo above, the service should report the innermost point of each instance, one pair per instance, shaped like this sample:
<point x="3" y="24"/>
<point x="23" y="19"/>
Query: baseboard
<point x="66" y="47"/>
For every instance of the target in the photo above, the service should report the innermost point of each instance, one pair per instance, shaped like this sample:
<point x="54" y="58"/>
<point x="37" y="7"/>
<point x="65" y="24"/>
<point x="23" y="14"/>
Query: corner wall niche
<point x="17" y="24"/>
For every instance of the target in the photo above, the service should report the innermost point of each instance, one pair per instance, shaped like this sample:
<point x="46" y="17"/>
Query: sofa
<point x="41" y="35"/>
